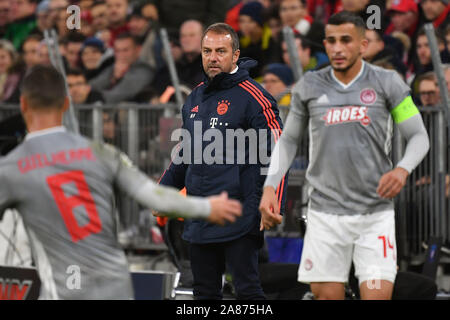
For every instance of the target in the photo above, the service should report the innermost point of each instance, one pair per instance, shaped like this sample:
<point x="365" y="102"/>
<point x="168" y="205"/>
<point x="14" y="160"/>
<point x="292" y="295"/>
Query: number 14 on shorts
<point x="387" y="245"/>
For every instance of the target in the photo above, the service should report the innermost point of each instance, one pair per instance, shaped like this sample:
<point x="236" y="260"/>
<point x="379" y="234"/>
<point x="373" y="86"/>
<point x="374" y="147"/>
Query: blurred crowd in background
<point x="117" y="54"/>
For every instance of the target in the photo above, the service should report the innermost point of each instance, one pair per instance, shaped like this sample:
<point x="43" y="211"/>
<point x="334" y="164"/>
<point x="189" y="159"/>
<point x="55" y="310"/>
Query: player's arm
<point x="216" y="209"/>
<point x="410" y="123"/>
<point x="282" y="157"/>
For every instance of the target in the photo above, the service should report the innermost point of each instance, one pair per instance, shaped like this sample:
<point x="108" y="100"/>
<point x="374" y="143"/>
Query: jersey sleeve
<point x="413" y="130"/>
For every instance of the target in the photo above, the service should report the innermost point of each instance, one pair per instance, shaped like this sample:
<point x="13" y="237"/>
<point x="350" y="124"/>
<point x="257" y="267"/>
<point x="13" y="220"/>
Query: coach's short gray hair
<point x="223" y="28"/>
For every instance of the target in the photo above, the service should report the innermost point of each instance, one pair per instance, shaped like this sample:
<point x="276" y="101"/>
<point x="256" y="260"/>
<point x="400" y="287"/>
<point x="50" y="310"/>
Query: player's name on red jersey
<point x="347" y="114"/>
<point x="64" y="157"/>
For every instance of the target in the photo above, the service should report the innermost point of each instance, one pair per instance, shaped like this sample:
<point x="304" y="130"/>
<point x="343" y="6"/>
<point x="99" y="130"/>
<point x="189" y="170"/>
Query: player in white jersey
<point x="62" y="186"/>
<point x="350" y="108"/>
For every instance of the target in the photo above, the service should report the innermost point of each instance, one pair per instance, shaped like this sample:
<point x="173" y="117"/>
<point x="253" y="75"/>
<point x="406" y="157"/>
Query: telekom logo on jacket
<point x="347" y="114"/>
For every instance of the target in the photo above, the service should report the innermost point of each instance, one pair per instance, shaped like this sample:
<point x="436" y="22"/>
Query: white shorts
<point x="333" y="241"/>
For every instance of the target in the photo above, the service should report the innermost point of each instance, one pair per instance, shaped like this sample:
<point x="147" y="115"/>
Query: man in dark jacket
<point x="227" y="99"/>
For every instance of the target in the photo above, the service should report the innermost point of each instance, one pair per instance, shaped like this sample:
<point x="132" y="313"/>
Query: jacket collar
<point x="228" y="80"/>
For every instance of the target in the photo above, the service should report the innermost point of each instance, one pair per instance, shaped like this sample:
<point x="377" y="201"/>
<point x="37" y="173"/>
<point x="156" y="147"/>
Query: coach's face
<point x="344" y="44"/>
<point x="217" y="54"/>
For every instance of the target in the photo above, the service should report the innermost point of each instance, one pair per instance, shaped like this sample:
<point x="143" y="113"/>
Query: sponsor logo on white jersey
<point x="347" y="114"/>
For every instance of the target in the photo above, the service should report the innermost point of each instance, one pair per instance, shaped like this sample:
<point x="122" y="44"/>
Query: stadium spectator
<point x="355" y="6"/>
<point x="406" y="43"/>
<point x="139" y="25"/>
<point x="429" y="93"/>
<point x="377" y="50"/>
<point x="43" y="54"/>
<point x="437" y="12"/>
<point x="274" y="23"/>
<point x="11" y="72"/>
<point x="423" y="53"/>
<point x="99" y="13"/>
<point x="117" y="11"/>
<point x="309" y="58"/>
<point x="95" y="57"/>
<point x="42" y="16"/>
<point x="404" y="16"/>
<point x="87" y="28"/>
<point x="190" y="63"/>
<point x="30" y="50"/>
<point x="23" y="21"/>
<point x="447" y="38"/>
<point x="360" y="8"/>
<point x="293" y="13"/>
<point x="73" y="43"/>
<point x="232" y="15"/>
<point x="256" y="41"/>
<point x="423" y="62"/>
<point x="80" y="91"/>
<point x="322" y="9"/>
<point x="277" y="80"/>
<point x="172" y="13"/>
<point x="234" y="6"/>
<point x="152" y="45"/>
<point x="4" y="16"/>
<point x="188" y="66"/>
<point x="61" y="24"/>
<point x="100" y="23"/>
<point x="243" y="104"/>
<point x="55" y="9"/>
<point x="150" y="12"/>
<point x="128" y="76"/>
<point x="85" y="5"/>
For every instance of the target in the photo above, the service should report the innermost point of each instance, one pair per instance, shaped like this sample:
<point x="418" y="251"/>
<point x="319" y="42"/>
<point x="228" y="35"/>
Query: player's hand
<point x="270" y="211"/>
<point x="392" y="182"/>
<point x="224" y="209"/>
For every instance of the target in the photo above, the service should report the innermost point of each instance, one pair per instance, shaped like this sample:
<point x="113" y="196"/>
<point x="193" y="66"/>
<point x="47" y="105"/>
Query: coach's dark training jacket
<point x="229" y="101"/>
